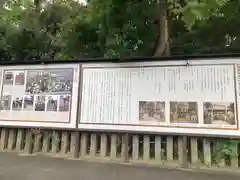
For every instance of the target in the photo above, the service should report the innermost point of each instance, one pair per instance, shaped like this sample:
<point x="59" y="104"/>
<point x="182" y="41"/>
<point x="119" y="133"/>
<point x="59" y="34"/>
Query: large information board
<point x="199" y="97"/>
<point x="42" y="95"/>
<point x="196" y="99"/>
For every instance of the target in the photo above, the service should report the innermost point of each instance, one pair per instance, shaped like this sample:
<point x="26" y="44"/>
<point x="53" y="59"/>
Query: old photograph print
<point x="8" y="78"/>
<point x="50" y="81"/>
<point x="219" y="113"/>
<point x="40" y="103"/>
<point x="152" y="111"/>
<point x="28" y="102"/>
<point x="64" y="103"/>
<point x="52" y="103"/>
<point x="17" y="103"/>
<point x="20" y="78"/>
<point x="6" y="102"/>
<point x="183" y="112"/>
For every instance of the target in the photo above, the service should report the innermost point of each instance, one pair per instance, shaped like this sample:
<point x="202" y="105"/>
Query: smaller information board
<point x="39" y="95"/>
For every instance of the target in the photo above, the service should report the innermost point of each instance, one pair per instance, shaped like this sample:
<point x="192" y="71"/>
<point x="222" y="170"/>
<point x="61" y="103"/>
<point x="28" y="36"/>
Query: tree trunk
<point x="37" y="4"/>
<point x="163" y="46"/>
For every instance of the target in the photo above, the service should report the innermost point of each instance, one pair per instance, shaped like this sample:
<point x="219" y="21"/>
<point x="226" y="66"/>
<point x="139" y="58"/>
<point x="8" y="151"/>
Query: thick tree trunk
<point x="163" y="45"/>
<point x="37" y="4"/>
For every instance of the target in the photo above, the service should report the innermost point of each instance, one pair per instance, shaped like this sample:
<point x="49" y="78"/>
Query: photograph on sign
<point x="201" y="96"/>
<point x="37" y="95"/>
<point x="184" y="112"/>
<point x="219" y="113"/>
<point x="52" y="103"/>
<point x="152" y="111"/>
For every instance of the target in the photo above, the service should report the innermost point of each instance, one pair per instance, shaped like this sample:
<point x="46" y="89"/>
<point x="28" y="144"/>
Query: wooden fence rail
<point x="133" y="148"/>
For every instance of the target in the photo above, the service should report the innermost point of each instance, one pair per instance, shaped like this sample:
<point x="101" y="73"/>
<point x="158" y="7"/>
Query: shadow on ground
<point x="13" y="167"/>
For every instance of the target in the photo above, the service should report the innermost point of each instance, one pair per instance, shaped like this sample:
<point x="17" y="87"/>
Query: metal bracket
<point x="187" y="63"/>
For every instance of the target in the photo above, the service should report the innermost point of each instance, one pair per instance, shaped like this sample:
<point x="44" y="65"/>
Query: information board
<point x="201" y="98"/>
<point x="42" y="95"/>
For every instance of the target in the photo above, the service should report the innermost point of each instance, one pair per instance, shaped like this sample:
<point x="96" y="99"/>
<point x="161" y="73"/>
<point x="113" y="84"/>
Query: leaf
<point x="189" y="19"/>
<point x="195" y="10"/>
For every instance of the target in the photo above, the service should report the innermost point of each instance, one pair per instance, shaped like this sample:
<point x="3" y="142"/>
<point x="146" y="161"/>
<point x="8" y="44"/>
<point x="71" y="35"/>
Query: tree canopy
<point x="68" y="29"/>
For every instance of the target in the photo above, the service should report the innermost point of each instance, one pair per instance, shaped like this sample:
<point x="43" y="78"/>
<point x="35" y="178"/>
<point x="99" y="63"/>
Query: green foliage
<point x="195" y="10"/>
<point x="223" y="148"/>
<point x="63" y="29"/>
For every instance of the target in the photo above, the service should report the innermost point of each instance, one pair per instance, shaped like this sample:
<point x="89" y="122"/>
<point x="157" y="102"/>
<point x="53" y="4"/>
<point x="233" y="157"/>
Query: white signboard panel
<point x="43" y="95"/>
<point x="175" y="97"/>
